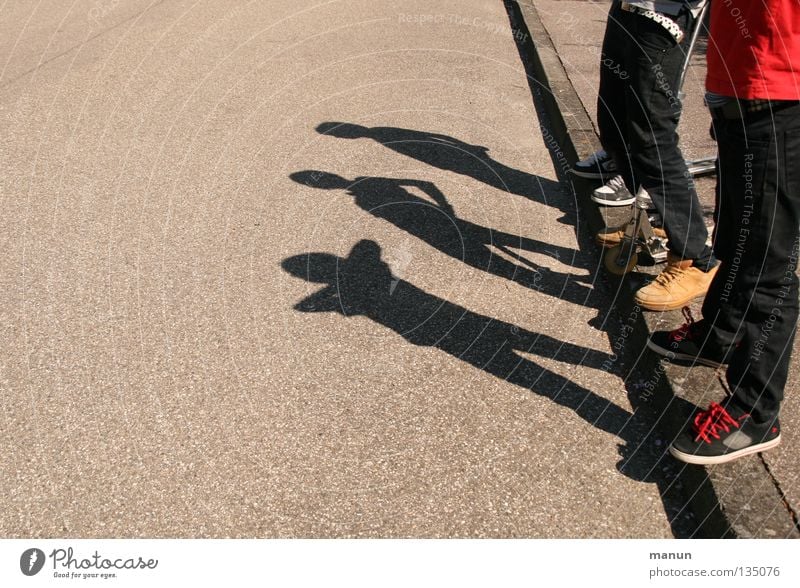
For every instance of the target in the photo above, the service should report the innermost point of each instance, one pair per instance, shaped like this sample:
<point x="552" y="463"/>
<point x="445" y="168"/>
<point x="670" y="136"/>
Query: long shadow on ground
<point x="451" y="154"/>
<point x="362" y="284"/>
<point x="688" y="498"/>
<point x="436" y="223"/>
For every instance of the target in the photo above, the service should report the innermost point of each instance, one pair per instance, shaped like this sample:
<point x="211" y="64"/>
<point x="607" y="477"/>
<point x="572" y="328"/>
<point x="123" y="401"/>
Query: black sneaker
<point x="598" y="166"/>
<point x="614" y="193"/>
<point x="688" y="343"/>
<point x="719" y="436"/>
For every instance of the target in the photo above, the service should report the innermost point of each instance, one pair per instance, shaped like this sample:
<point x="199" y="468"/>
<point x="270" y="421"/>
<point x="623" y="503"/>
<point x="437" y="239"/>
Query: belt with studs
<point x="670" y="25"/>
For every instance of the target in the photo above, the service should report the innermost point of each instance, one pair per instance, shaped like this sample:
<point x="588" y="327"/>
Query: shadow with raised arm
<point x="434" y="221"/>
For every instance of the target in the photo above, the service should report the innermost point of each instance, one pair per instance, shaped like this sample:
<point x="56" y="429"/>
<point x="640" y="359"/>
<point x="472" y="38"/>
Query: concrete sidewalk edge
<point x="714" y="495"/>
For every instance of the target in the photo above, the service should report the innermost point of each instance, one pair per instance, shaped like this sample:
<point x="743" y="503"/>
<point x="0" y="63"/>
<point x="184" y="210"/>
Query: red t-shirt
<point x="754" y="49"/>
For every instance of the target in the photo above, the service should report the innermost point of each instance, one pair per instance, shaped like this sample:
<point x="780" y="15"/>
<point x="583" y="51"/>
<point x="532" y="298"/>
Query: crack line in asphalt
<point x="41" y="64"/>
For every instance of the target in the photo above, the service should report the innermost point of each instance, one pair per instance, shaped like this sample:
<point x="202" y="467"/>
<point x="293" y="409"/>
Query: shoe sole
<point x="607" y="244"/>
<point x="673" y="355"/>
<point x="675" y="305"/>
<point x="614" y="202"/>
<point x="718" y="459"/>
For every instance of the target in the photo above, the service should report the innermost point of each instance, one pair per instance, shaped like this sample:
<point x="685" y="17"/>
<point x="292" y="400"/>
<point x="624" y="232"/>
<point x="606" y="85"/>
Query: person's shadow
<point x="362" y="284"/>
<point x="435" y="223"/>
<point x="451" y="154"/>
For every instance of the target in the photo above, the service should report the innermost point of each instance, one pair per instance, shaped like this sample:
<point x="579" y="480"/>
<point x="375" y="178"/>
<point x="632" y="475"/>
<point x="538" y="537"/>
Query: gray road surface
<point x="201" y="333"/>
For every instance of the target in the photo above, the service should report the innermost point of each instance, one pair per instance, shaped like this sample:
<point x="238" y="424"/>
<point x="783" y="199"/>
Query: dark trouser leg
<point x="654" y="109"/>
<point x="611" y="115"/>
<point x="753" y="300"/>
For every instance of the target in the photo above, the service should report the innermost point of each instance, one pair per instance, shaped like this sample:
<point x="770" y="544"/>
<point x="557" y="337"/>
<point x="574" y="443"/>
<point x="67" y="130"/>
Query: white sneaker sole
<point x="718" y="459"/>
<point x="626" y="202"/>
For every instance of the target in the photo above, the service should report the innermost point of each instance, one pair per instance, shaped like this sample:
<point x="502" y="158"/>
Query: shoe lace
<point x="708" y="423"/>
<point x="616" y="183"/>
<point x="687" y="330"/>
<point x="669" y="274"/>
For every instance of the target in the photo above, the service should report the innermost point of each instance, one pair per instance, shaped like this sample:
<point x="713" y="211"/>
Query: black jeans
<point x="752" y="303"/>
<point x="638" y="110"/>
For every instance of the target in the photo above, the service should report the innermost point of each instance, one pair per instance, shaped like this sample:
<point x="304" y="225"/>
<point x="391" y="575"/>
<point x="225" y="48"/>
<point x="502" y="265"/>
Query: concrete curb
<point x="739" y="499"/>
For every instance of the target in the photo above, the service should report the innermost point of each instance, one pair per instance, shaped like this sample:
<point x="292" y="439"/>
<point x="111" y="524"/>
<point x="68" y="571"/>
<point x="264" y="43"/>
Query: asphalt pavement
<point x="312" y="269"/>
<point x="758" y="496"/>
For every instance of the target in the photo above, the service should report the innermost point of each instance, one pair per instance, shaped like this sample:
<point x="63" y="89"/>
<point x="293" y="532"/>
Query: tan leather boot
<point x="677" y="285"/>
<point x="612" y="236"/>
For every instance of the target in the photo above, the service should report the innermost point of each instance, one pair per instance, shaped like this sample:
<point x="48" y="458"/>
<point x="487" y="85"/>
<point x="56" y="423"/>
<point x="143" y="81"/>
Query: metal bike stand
<point x="705" y="165"/>
<point x="639" y="237"/>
